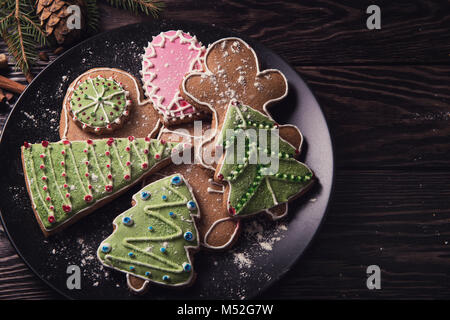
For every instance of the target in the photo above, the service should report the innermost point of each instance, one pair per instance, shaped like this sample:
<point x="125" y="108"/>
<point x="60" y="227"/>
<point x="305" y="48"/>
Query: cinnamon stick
<point x="2" y="96"/>
<point x="11" y="85"/>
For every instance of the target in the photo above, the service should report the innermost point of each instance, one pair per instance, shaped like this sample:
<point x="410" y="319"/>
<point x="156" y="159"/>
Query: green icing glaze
<point x="253" y="188"/>
<point x="155" y="225"/>
<point x="65" y="178"/>
<point x="99" y="102"/>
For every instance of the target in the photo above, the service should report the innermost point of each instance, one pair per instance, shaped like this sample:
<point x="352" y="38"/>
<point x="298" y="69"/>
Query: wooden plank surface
<point x="386" y="96"/>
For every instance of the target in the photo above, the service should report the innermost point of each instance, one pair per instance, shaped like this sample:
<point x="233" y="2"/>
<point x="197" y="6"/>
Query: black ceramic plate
<point x="264" y="252"/>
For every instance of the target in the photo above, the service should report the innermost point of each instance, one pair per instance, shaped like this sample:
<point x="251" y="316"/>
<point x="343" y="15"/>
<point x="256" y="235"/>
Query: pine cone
<point x="53" y="15"/>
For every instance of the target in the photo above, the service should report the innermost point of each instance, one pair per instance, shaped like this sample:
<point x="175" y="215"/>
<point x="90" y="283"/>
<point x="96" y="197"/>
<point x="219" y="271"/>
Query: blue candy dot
<point x="166" y="278"/>
<point x="189" y="236"/>
<point x="106" y="248"/>
<point x="191" y="205"/>
<point x="163" y="250"/>
<point x="150" y="228"/>
<point x="176" y="180"/>
<point x="187" y="267"/>
<point x="145" y="195"/>
<point x="131" y="268"/>
<point x="131" y="254"/>
<point x="172" y="214"/>
<point x="164" y="197"/>
<point x="127" y="221"/>
<point x="148" y="273"/>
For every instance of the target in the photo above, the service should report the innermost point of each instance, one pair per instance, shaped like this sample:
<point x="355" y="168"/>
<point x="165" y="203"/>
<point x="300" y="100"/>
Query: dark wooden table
<point x="386" y="94"/>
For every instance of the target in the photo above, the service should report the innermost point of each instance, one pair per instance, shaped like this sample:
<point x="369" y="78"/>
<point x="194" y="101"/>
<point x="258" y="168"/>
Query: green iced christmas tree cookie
<point x="152" y="240"/>
<point x="65" y="179"/>
<point x="259" y="166"/>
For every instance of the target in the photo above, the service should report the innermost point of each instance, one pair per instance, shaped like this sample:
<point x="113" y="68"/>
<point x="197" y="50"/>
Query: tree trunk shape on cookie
<point x="258" y="165"/>
<point x="155" y="238"/>
<point x="66" y="178"/>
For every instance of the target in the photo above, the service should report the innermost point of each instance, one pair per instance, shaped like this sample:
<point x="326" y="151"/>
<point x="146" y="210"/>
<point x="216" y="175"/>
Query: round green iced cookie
<point x="99" y="103"/>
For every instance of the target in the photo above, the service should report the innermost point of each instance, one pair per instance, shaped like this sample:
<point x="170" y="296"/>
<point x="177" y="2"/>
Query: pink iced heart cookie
<point x="167" y="59"/>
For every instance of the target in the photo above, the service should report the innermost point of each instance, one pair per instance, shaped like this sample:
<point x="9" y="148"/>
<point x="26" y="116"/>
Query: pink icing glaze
<point x="167" y="59"/>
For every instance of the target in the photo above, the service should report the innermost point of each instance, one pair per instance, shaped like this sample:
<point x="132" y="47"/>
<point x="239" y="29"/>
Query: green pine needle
<point x="21" y="32"/>
<point x="93" y="16"/>
<point x="148" y="7"/>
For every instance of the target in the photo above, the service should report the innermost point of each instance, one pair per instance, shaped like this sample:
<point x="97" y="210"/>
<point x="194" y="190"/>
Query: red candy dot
<point x="88" y="198"/>
<point x="86" y="174"/>
<point x="157" y="156"/>
<point x="42" y="156"/>
<point x="232" y="210"/>
<point x="110" y="141"/>
<point x="131" y="138"/>
<point x="44" y="178"/>
<point x="65" y="186"/>
<point x="63" y="163"/>
<point x="109" y="176"/>
<point x="220" y="177"/>
<point x="52" y="207"/>
<point x="145" y="165"/>
<point x="63" y="152"/>
<point x="51" y="219"/>
<point x="42" y="167"/>
<point x="44" y="188"/>
<point x="163" y="142"/>
<point x="63" y="174"/>
<point x="107" y="153"/>
<point x="146" y="151"/>
<point x="90" y="187"/>
<point x="67" y="195"/>
<point x="109" y="188"/>
<point x="85" y="150"/>
<point x="48" y="199"/>
<point x="45" y="143"/>
<point x="128" y="163"/>
<point x="127" y="149"/>
<point x="147" y="139"/>
<point x="86" y="163"/>
<point x="26" y="144"/>
<point x="126" y="177"/>
<point x="66" y="208"/>
<point x="89" y="141"/>
<point x="66" y="142"/>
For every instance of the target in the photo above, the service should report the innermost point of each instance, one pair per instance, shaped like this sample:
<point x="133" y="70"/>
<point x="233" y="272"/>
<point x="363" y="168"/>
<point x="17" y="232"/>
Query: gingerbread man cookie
<point x="231" y="73"/>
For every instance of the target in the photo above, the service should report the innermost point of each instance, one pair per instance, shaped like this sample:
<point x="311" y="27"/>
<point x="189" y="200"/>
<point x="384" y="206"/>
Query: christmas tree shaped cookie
<point x="153" y="241"/>
<point x="67" y="180"/>
<point x="258" y="165"/>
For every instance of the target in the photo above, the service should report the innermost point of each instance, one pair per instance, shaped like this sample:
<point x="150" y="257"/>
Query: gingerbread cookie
<point x="232" y="72"/>
<point x="68" y="180"/>
<point x="166" y="60"/>
<point x="261" y="172"/>
<point x="106" y="102"/>
<point x="154" y="240"/>
<point x="217" y="230"/>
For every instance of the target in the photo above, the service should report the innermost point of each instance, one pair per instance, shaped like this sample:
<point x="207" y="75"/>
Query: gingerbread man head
<point x="232" y="72"/>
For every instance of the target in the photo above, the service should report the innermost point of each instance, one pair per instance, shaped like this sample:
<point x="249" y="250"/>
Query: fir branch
<point x="21" y="32"/>
<point x="93" y="16"/>
<point x="152" y="7"/>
